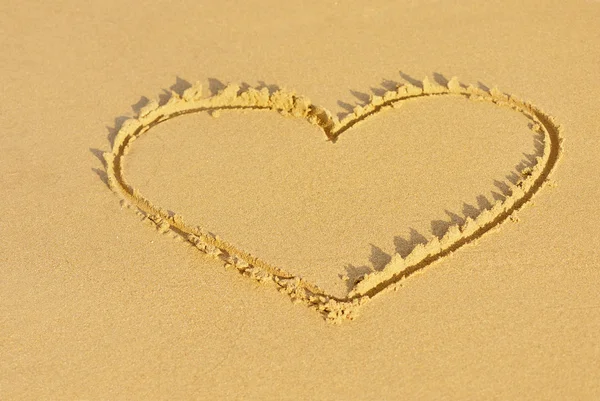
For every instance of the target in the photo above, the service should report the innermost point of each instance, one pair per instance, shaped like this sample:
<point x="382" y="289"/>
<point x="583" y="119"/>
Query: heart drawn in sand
<point x="334" y="309"/>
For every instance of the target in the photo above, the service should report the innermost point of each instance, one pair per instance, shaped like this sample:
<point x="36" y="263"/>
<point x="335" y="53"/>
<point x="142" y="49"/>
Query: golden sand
<point x="374" y="197"/>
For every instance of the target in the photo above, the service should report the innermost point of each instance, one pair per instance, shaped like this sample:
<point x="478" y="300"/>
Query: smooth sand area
<point x="102" y="300"/>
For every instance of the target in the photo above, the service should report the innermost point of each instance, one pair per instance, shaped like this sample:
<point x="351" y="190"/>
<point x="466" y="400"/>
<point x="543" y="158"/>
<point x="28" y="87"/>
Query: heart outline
<point x="334" y="309"/>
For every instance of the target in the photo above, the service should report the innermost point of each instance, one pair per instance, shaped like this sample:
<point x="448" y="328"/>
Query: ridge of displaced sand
<point x="334" y="309"/>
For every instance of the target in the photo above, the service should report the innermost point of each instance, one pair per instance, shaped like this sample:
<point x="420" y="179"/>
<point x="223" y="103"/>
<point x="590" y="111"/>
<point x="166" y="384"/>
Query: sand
<point x="181" y="221"/>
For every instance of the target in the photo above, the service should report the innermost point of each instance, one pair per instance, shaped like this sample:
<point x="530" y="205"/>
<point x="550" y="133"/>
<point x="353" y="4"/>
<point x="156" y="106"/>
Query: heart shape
<point x="334" y="309"/>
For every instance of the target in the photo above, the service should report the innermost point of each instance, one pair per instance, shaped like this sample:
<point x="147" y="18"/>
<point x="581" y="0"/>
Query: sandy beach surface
<point x="105" y="297"/>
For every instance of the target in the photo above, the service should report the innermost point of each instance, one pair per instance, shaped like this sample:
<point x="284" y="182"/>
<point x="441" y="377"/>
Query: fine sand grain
<point x="168" y="188"/>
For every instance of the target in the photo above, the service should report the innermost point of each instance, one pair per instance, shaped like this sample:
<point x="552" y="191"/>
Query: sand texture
<point x="184" y="186"/>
